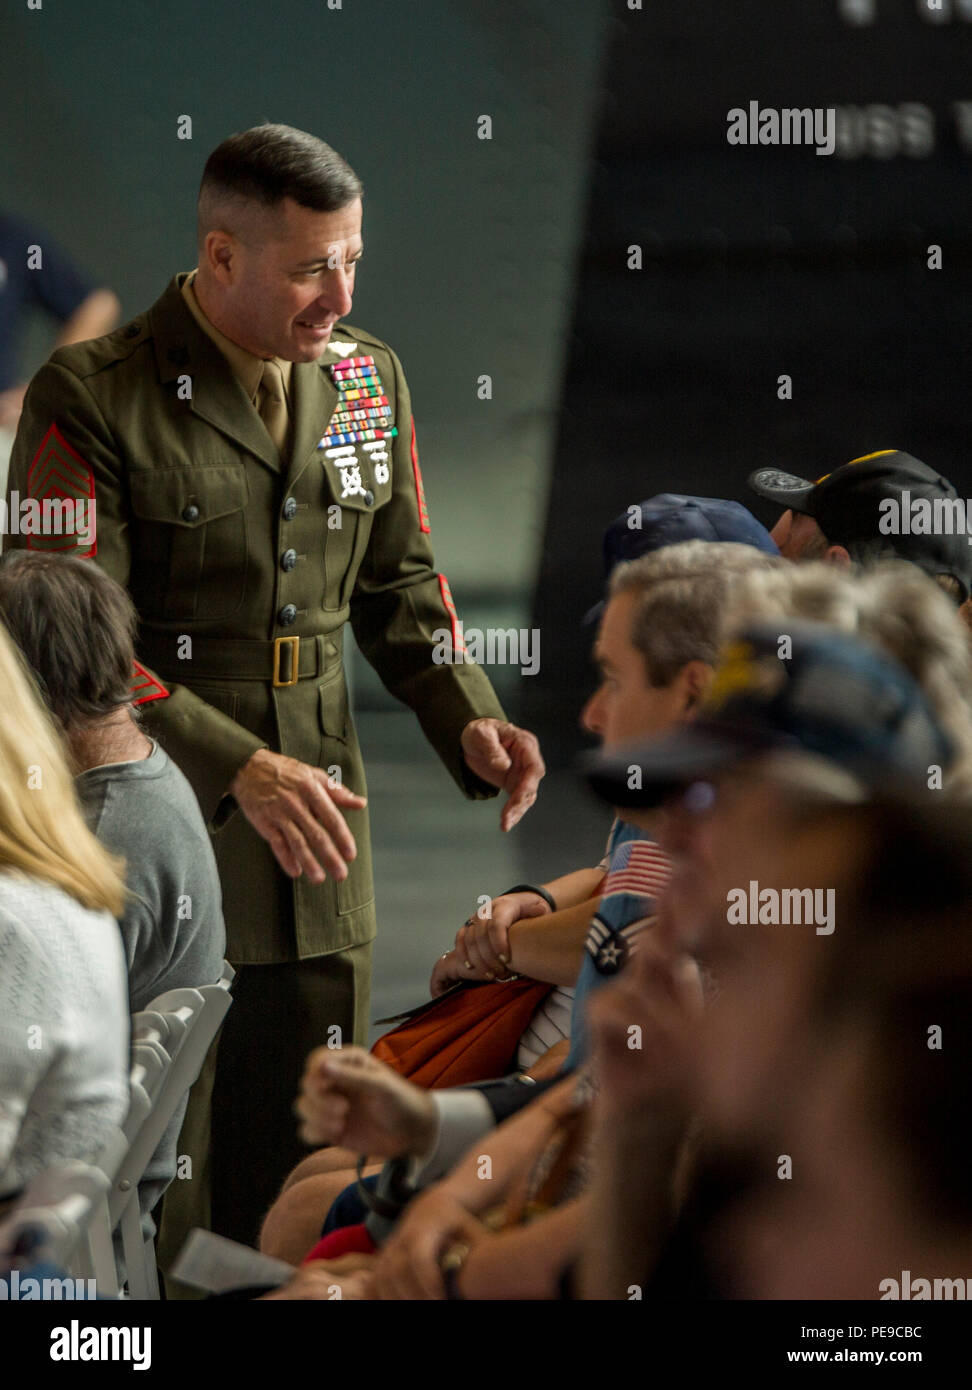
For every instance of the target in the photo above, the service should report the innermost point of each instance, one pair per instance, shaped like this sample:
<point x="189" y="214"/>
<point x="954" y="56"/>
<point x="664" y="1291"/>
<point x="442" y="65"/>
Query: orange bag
<point x="468" y="1034"/>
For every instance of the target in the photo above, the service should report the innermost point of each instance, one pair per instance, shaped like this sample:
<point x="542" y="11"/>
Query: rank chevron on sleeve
<point x="145" y="686"/>
<point x="61" y="484"/>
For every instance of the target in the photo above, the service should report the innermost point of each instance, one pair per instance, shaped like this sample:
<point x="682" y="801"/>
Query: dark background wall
<point x="757" y="262"/>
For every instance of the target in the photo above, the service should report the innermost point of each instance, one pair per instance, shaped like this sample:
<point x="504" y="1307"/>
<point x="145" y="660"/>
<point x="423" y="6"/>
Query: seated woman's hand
<point x="483" y="941"/>
<point x="447" y="971"/>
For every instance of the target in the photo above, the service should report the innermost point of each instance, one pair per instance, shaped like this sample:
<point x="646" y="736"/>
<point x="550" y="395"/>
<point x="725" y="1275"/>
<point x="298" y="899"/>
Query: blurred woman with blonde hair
<point x="63" y="987"/>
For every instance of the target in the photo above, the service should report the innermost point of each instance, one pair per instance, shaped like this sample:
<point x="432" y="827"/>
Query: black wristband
<point x="532" y="888"/>
<point x="392" y="1190"/>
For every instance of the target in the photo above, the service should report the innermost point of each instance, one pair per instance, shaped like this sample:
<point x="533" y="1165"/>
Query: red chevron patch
<point x="62" y="485"/>
<point x="145" y="686"/>
<point x="419" y="490"/>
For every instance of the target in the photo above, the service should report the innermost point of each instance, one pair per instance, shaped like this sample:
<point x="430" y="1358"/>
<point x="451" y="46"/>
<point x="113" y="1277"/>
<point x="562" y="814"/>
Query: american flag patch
<point x="640" y="867"/>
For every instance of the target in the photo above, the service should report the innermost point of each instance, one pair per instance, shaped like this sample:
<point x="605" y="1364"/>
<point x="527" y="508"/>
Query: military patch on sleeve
<point x="58" y="513"/>
<point x="458" y="644"/>
<point x="423" y="511"/>
<point x="145" y="686"/>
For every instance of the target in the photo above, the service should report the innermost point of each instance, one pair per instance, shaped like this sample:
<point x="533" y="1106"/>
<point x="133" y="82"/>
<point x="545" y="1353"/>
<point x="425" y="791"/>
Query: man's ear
<point x="837" y="555"/>
<point x="219" y="250"/>
<point x="695" y="677"/>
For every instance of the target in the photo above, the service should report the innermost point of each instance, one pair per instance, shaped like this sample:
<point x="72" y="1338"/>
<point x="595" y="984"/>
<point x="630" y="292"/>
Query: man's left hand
<point x="506" y="757"/>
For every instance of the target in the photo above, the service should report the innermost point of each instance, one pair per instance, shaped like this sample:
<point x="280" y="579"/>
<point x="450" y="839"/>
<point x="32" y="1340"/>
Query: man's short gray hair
<point x="680" y="596"/>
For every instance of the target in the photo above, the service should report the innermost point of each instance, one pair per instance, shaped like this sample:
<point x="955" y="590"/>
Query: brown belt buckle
<point x="278" y="643"/>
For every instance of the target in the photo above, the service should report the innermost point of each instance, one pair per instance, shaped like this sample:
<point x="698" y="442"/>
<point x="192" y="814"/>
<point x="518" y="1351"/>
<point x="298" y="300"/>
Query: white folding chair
<point x="54" y="1211"/>
<point x="168" y="1029"/>
<point x="182" y="1023"/>
<point x="95" y="1256"/>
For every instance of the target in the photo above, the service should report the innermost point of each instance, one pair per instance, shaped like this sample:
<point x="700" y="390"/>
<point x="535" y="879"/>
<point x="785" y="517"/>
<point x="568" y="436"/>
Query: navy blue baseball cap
<point x="671" y="518"/>
<point x="821" y="692"/>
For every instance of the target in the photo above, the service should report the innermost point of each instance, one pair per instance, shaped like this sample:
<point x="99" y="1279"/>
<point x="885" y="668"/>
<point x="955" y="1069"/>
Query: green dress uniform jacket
<point x="244" y="569"/>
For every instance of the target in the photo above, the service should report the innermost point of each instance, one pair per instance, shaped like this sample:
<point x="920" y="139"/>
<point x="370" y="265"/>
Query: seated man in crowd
<point x="789" y="821"/>
<point x="799" y="1076"/>
<point x="63" y="1002"/>
<point x="884" y="1209"/>
<point x="515" y="934"/>
<point x="656" y="647"/>
<point x="861" y="513"/>
<point x="523" y="1263"/>
<point x="448" y="1213"/>
<point x="75" y="626"/>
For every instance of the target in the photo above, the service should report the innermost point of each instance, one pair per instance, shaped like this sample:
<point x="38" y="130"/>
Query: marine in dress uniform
<point x="246" y="557"/>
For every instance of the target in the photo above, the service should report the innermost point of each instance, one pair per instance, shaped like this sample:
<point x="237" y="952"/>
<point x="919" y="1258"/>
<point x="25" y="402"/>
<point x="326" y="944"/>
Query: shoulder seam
<point x="364" y="336"/>
<point x="93" y="362"/>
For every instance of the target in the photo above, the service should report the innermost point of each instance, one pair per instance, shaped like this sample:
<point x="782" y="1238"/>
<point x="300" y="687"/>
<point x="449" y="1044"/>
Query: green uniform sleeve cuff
<point x="207" y="746"/>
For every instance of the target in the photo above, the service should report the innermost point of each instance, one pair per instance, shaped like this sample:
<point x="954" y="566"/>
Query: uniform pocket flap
<point x="189" y="496"/>
<point x="333" y="696"/>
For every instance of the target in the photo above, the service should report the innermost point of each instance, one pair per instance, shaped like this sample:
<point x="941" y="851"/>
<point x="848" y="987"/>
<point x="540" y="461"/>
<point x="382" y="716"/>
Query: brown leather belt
<point x="282" y="662"/>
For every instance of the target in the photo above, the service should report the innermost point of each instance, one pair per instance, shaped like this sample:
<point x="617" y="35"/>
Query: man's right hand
<point x="295" y="808"/>
<point x="350" y="1098"/>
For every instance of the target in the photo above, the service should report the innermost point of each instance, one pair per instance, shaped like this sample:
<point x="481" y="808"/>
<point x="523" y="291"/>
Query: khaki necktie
<point x="272" y="405"/>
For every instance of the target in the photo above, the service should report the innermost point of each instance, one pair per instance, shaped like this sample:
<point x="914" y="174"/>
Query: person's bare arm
<point x="547" y="947"/>
<point x="527" y="1261"/>
<point x="93" y="317"/>
<point x="449" y="1211"/>
<point x="574" y="888"/>
<point x="484" y="948"/>
<point x="552" y="948"/>
<point x="510" y="1147"/>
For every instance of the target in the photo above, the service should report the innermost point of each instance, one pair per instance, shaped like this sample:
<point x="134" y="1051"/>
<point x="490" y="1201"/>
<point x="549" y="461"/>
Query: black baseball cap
<point x="871" y="499"/>
<point x="829" y="694"/>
